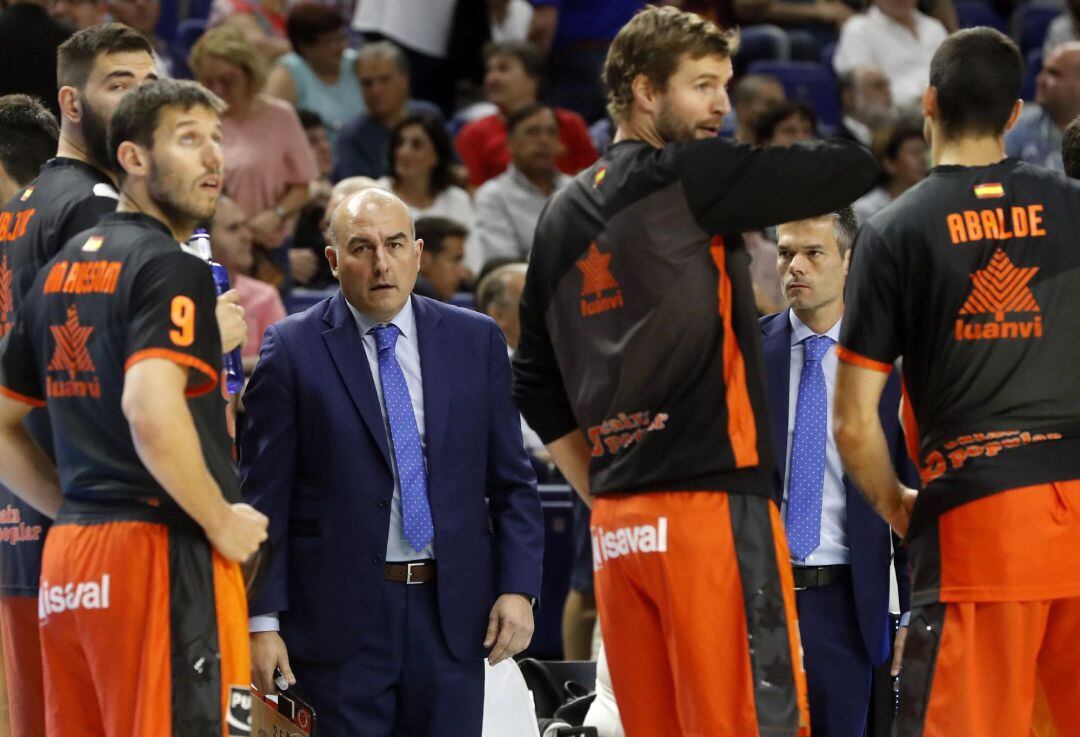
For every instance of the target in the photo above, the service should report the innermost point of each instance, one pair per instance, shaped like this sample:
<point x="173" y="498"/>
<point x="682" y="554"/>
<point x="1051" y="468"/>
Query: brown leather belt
<point x="420" y="571"/>
<point x="812" y="577"/>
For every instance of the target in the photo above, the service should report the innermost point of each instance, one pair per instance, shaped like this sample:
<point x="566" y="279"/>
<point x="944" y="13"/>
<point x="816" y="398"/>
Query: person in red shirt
<point x="512" y="81"/>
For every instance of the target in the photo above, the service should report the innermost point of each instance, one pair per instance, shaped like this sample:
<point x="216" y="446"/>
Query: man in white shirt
<point x="895" y="37"/>
<point x="508" y="206"/>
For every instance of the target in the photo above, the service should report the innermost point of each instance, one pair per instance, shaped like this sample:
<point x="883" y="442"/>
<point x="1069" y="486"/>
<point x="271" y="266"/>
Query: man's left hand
<point x="510" y="627"/>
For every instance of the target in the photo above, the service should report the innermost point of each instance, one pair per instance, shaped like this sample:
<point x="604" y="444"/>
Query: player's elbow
<point x="849" y="427"/>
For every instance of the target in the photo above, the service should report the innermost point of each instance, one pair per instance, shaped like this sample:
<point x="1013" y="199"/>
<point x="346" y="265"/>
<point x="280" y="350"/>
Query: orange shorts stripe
<point x="742" y="425"/>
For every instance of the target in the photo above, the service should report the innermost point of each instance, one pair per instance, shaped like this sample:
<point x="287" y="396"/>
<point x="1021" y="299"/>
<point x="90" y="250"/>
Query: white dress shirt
<point x="875" y="39"/>
<point x="833" y="549"/>
<point x="407" y="351"/>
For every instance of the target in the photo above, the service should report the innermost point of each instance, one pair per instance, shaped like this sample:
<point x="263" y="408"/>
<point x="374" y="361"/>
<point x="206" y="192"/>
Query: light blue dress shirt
<point x="407" y="352"/>
<point x="833" y="549"/>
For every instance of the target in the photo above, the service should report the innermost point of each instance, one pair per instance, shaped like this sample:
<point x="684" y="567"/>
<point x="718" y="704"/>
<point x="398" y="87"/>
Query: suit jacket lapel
<point x="435" y="367"/>
<point x="776" y="344"/>
<point x="346" y="348"/>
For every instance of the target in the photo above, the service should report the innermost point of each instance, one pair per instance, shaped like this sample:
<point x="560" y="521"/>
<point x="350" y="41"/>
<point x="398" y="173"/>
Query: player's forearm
<point x="571" y="455"/>
<point x="865" y="456"/>
<point x="27" y="471"/>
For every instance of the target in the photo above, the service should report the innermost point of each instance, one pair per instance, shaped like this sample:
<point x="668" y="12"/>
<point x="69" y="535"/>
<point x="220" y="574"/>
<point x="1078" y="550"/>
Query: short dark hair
<point x="75" y="58"/>
<point x="28" y="136"/>
<point x="309" y="119"/>
<point x="746" y="89"/>
<point x="435" y="230"/>
<point x="1070" y="148"/>
<point x="307" y="21"/>
<point x="139" y="112"/>
<point x="769" y="120"/>
<point x="519" y="116"/>
<point x="442" y="176"/>
<point x="977" y="74"/>
<point x="523" y="51"/>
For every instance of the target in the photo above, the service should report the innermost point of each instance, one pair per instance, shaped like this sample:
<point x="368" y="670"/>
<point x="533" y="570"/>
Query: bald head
<point x="1058" y="84"/>
<point x="366" y="206"/>
<point x="341" y="190"/>
<point x="374" y="253"/>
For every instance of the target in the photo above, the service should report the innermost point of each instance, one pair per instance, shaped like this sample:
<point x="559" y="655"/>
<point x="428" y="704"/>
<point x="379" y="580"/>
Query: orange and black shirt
<point x="117" y="294"/>
<point x="973" y="278"/>
<point x="68" y="196"/>
<point x="638" y="322"/>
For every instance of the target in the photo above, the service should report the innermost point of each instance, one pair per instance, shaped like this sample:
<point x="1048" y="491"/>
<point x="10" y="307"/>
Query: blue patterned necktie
<point x="806" y="479"/>
<point x="417" y="525"/>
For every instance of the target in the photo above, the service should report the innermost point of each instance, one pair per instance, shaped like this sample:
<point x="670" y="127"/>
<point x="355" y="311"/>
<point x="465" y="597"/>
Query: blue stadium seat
<point x="808" y="82"/>
<point x="1031" y="71"/>
<point x="973" y="13"/>
<point x="187" y="33"/>
<point x="1031" y="22"/>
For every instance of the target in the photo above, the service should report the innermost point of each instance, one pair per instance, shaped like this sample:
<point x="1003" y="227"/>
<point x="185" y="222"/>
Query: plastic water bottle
<point x="233" y="364"/>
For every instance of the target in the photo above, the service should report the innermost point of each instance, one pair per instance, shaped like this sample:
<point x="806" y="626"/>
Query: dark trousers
<point x="838" y="669"/>
<point x="404" y="682"/>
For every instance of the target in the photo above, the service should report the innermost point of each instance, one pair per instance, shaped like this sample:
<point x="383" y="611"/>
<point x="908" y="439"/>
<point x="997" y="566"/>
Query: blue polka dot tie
<point x="418" y="529"/>
<point x="806" y="479"/>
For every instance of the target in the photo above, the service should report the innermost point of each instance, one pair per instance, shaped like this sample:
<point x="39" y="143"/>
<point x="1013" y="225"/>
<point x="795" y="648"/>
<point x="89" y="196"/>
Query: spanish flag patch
<point x="989" y="190"/>
<point x="599" y="176"/>
<point x="26" y="194"/>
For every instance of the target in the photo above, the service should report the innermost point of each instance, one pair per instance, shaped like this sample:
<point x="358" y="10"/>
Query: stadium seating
<point x="1030" y="22"/>
<point x="973" y="13"/>
<point x="1032" y="67"/>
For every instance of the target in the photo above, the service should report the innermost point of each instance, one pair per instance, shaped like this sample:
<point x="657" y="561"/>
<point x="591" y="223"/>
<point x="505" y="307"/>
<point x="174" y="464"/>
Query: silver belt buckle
<point x="408" y="574"/>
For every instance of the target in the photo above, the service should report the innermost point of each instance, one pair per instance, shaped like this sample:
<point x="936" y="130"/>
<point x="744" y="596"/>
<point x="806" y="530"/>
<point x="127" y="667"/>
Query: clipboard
<point x="283" y="715"/>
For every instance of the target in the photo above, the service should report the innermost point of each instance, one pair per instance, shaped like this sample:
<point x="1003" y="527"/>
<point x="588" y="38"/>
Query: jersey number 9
<point x="183" y="317"/>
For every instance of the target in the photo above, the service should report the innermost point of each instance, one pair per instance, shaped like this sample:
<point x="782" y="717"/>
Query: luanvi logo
<point x="71" y="357"/>
<point x="238" y="718"/>
<point x="599" y="290"/>
<point x="998" y="290"/>
<point x="612" y="544"/>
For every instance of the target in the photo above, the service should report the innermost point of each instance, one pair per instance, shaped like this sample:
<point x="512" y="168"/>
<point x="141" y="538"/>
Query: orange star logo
<point x="595" y="267"/>
<point x="7" y="300"/>
<point x="1001" y="287"/>
<point x="71" y="354"/>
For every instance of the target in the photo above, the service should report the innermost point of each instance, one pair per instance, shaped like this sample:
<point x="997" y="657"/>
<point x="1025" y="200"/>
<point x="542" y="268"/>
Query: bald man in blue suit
<point x="382" y="443"/>
<point x="841" y="550"/>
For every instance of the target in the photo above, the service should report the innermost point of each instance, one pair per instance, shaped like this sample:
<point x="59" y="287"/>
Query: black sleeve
<point x="171" y="315"/>
<point x="20" y="376"/>
<point x="539" y="390"/>
<point x="872" y="331"/>
<point x="733" y="187"/>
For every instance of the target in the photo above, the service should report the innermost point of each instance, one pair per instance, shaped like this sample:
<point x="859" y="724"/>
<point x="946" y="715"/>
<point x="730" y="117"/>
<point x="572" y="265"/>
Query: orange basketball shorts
<point x="143" y="632"/>
<point x="697" y="608"/>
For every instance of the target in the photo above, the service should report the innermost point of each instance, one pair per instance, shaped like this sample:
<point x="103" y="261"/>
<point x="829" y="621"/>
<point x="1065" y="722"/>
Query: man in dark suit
<point x="840" y="548"/>
<point x="382" y="442"/>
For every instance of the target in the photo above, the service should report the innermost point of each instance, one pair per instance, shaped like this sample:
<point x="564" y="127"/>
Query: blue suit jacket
<point x="314" y="457"/>
<point x="868" y="535"/>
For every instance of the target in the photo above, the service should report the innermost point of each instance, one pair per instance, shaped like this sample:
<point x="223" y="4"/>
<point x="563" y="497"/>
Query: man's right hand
<point x="268" y="652"/>
<point x="230" y="320"/>
<point x="239" y="532"/>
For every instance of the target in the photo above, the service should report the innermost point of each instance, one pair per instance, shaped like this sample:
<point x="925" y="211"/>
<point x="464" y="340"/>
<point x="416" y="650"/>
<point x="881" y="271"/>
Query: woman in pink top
<point x="230" y="241"/>
<point x="269" y="164"/>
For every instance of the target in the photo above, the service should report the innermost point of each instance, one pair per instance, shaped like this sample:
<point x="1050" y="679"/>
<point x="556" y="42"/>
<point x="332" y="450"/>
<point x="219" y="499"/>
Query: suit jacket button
<point x="383" y="503"/>
<point x="376" y="559"/>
